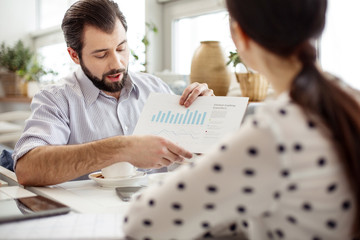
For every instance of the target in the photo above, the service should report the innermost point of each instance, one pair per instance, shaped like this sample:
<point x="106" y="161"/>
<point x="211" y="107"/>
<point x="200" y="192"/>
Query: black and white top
<point x="278" y="177"/>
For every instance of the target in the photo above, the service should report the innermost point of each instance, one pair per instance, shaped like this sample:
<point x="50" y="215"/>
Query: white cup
<point x="120" y="169"/>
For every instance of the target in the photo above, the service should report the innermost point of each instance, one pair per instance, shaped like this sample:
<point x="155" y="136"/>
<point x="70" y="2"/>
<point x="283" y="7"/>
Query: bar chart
<point x="188" y="117"/>
<point x="194" y="128"/>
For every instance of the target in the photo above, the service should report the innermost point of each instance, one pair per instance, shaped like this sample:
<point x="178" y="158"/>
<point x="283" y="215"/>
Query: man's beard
<point x="102" y="84"/>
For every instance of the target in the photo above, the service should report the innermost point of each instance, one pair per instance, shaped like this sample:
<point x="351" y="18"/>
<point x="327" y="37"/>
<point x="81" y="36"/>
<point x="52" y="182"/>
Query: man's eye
<point x="121" y="49"/>
<point x="101" y="56"/>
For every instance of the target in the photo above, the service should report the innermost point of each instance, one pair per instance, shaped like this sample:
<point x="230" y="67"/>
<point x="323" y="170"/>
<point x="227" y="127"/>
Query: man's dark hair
<point x="101" y="14"/>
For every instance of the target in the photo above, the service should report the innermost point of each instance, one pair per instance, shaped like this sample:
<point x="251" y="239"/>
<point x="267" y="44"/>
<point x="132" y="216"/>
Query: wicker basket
<point x="11" y="84"/>
<point x="252" y="85"/>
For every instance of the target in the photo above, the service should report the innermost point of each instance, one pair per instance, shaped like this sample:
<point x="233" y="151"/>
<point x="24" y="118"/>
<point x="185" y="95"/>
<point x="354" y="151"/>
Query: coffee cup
<point x="120" y="169"/>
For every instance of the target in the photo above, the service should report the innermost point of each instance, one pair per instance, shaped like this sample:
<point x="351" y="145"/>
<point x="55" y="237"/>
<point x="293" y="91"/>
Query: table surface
<point x="84" y="196"/>
<point x="97" y="212"/>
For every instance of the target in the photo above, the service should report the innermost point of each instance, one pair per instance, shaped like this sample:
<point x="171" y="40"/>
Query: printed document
<point x="195" y="128"/>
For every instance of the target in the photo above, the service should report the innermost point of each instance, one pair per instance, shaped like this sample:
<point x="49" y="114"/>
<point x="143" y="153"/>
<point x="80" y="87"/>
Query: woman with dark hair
<point x="292" y="170"/>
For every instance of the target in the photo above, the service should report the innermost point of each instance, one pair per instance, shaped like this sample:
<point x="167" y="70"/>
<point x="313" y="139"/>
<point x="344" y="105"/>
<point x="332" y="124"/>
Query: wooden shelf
<point x="18" y="99"/>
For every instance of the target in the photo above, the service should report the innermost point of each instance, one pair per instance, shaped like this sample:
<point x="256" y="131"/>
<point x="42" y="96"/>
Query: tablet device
<point x="14" y="209"/>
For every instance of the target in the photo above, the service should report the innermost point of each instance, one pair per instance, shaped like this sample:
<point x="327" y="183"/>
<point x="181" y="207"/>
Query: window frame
<point x="173" y="11"/>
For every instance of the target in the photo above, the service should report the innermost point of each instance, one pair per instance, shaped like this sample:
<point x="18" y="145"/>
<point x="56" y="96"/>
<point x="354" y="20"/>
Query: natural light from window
<point x="52" y="12"/>
<point x="189" y="32"/>
<point x="340" y="44"/>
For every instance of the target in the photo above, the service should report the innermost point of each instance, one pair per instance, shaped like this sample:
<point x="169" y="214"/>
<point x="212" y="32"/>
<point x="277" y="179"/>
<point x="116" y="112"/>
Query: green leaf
<point x="235" y="59"/>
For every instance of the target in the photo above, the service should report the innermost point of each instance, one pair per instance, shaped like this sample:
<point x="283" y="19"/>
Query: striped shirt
<point x="76" y="111"/>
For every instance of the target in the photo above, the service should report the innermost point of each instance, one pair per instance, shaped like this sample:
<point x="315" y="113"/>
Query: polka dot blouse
<point x="278" y="177"/>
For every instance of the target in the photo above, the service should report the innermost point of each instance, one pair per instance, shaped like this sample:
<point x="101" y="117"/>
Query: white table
<point x="97" y="213"/>
<point x="84" y="197"/>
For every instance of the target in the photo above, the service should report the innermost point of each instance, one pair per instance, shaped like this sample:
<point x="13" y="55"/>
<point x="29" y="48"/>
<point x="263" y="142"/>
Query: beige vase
<point x="209" y="66"/>
<point x="253" y="85"/>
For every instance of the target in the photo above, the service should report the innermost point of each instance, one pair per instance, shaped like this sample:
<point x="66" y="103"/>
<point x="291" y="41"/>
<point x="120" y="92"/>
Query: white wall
<point x="17" y="20"/>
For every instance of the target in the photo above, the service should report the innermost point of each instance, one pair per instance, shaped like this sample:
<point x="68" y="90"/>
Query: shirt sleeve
<point x="48" y="124"/>
<point x="218" y="195"/>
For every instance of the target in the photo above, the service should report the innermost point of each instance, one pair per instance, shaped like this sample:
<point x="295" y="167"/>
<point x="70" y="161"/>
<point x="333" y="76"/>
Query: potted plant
<point x="32" y="75"/>
<point x="13" y="59"/>
<point x="252" y="85"/>
<point x="23" y="70"/>
<point x="150" y="27"/>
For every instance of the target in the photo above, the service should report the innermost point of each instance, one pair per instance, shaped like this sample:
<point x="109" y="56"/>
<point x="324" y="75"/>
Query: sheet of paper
<point x="70" y="226"/>
<point x="195" y="128"/>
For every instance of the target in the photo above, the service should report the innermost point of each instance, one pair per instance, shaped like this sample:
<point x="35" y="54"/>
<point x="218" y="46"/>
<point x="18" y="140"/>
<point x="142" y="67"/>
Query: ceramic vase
<point x="209" y="66"/>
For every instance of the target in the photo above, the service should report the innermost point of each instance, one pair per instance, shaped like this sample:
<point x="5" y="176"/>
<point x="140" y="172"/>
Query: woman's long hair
<point x="286" y="28"/>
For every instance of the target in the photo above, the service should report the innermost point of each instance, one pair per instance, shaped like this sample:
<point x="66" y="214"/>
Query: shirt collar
<point x="284" y="96"/>
<point x="91" y="93"/>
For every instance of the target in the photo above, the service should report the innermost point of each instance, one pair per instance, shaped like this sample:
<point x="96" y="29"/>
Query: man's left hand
<point x="193" y="91"/>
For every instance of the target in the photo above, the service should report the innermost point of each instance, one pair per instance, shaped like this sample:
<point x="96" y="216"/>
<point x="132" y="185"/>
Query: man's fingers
<point x="172" y="157"/>
<point x="208" y="92"/>
<point x="196" y="92"/>
<point x="188" y="90"/>
<point x="178" y="152"/>
<point x="165" y="162"/>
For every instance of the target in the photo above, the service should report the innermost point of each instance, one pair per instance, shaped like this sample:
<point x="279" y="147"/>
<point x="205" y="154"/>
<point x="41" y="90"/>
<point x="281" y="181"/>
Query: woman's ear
<point x="73" y="54"/>
<point x="240" y="38"/>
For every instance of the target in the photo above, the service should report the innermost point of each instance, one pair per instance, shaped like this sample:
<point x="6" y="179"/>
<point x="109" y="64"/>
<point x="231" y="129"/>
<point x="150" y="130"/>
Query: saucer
<point x="134" y="180"/>
<point x="157" y="177"/>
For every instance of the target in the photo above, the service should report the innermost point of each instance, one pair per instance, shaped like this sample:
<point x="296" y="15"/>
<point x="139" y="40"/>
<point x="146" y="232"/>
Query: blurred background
<point x="180" y="25"/>
<point x="163" y="36"/>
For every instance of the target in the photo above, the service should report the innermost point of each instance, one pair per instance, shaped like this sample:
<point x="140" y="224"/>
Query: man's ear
<point x="73" y="54"/>
<point x="240" y="38"/>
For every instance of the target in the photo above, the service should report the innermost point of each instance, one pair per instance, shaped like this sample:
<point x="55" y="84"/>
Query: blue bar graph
<point x="187" y="112"/>
<point x="193" y="121"/>
<point x="162" y="118"/>
<point x="182" y="115"/>
<point x="176" y="118"/>
<point x="188" y="117"/>
<point x="167" y="117"/>
<point x="171" y="119"/>
<point x="202" y="121"/>
<point x="198" y="120"/>
<point x="158" y="116"/>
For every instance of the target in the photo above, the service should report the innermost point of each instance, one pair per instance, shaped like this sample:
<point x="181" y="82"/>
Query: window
<point x="189" y="32"/>
<point x="340" y="48"/>
<point x="51" y="12"/>
<point x="55" y="57"/>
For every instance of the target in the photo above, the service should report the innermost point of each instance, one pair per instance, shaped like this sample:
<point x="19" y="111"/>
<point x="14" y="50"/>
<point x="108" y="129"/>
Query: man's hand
<point x="193" y="91"/>
<point x="48" y="165"/>
<point x="153" y="152"/>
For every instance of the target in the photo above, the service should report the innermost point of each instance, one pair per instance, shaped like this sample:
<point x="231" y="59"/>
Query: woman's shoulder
<point x="279" y="111"/>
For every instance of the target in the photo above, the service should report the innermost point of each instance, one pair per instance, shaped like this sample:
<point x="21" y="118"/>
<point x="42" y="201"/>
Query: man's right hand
<point x="152" y="152"/>
<point x="47" y="165"/>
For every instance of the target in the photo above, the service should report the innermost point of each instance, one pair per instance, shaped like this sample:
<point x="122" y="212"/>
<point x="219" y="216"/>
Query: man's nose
<point x="116" y="61"/>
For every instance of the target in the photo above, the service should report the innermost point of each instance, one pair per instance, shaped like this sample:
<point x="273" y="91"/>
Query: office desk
<point x="97" y="213"/>
<point x="84" y="197"/>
